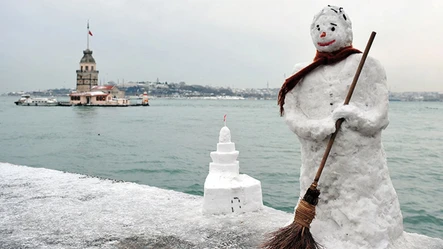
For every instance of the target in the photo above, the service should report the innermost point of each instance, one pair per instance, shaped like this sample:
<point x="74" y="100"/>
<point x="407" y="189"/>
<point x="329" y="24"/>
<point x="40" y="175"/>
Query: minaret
<point x="226" y="191"/>
<point x="87" y="76"/>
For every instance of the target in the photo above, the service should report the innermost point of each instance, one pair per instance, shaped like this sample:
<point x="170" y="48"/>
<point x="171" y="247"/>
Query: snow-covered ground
<point x="42" y="208"/>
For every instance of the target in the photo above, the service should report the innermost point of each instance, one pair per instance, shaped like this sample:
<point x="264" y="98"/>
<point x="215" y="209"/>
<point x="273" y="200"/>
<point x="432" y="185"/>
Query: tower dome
<point x="87" y="57"/>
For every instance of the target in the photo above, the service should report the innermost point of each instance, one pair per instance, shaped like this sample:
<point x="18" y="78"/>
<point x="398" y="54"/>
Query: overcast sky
<point x="235" y="43"/>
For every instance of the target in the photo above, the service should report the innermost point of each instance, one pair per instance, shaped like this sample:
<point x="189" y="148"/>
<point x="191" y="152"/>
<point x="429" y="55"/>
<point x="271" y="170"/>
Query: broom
<point x="297" y="234"/>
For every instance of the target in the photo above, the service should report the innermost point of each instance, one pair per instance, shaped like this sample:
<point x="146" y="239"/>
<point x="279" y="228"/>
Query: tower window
<point x="86" y="68"/>
<point x="92" y="68"/>
<point x="81" y="68"/>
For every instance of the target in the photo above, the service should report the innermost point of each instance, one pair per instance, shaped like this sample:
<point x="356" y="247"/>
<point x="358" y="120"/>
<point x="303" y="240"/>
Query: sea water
<point x="167" y="145"/>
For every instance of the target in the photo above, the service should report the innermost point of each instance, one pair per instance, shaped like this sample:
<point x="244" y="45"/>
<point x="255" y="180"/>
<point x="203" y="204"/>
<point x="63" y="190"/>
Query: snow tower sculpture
<point x="358" y="205"/>
<point x="227" y="191"/>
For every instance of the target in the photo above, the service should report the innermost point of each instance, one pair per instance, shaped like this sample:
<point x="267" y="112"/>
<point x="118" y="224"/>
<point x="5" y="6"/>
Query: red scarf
<point x="321" y="58"/>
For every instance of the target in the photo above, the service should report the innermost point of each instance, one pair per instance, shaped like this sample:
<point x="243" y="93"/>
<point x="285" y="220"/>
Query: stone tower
<point x="87" y="76"/>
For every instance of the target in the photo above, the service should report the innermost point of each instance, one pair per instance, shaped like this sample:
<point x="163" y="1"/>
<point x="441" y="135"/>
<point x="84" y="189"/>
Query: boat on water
<point x="27" y="100"/>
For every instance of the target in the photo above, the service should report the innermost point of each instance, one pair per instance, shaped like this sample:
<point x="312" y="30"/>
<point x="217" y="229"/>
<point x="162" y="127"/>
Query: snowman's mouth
<point x="323" y="44"/>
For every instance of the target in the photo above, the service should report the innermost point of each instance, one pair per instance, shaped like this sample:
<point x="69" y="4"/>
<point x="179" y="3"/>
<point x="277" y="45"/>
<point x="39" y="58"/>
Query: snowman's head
<point x="331" y="29"/>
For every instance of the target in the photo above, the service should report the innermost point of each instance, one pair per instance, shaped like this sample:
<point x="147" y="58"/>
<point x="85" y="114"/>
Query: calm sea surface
<point x="168" y="144"/>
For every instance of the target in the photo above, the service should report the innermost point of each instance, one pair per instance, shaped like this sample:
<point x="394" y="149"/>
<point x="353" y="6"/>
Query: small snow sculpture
<point x="358" y="206"/>
<point x="227" y="191"/>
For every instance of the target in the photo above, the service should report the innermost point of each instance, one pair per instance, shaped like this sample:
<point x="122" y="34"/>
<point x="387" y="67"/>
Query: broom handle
<point x="348" y="98"/>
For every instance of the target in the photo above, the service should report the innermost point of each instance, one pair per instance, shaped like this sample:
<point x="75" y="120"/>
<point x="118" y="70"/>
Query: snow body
<point x="358" y="206"/>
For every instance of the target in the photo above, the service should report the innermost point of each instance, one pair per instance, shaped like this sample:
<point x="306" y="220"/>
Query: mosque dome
<point x="87" y="57"/>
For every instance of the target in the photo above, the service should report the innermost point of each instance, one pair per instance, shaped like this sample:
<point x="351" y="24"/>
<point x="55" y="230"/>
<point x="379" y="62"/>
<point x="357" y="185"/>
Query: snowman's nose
<point x="323" y="34"/>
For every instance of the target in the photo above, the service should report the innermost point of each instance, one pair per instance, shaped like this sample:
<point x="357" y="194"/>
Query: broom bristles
<point x="297" y="235"/>
<point x="293" y="236"/>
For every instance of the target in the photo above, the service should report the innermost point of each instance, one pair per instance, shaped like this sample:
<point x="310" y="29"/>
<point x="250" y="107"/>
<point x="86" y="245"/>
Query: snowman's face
<point x="329" y="34"/>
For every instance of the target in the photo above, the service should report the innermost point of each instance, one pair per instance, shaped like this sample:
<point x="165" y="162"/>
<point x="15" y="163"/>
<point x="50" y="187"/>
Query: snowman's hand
<point x="363" y="121"/>
<point x="348" y="112"/>
<point x="323" y="128"/>
<point x="352" y="115"/>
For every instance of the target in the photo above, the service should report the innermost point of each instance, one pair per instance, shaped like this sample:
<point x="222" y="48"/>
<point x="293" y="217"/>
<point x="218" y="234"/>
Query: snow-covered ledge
<point x="42" y="208"/>
<point x="227" y="191"/>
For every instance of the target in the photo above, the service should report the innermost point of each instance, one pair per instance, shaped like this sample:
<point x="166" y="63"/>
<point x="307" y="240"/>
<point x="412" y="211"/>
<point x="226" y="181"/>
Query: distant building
<point x="87" y="76"/>
<point x="88" y="92"/>
<point x="99" y="95"/>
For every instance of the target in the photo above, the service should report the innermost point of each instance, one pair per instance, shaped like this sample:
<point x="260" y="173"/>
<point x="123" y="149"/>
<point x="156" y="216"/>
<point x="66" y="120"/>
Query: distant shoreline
<point x="184" y="91"/>
<point x="227" y="97"/>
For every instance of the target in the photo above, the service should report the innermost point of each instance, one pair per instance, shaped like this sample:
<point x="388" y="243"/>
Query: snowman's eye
<point x="318" y="29"/>
<point x="333" y="28"/>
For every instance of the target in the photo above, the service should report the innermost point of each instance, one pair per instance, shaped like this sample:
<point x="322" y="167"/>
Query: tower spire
<point x="87" y="35"/>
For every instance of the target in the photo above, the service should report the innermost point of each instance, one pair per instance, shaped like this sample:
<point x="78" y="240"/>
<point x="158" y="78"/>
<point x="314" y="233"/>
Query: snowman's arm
<point x="305" y="127"/>
<point x="299" y="123"/>
<point x="368" y="114"/>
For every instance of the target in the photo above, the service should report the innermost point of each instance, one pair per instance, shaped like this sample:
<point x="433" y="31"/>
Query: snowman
<point x="358" y="205"/>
